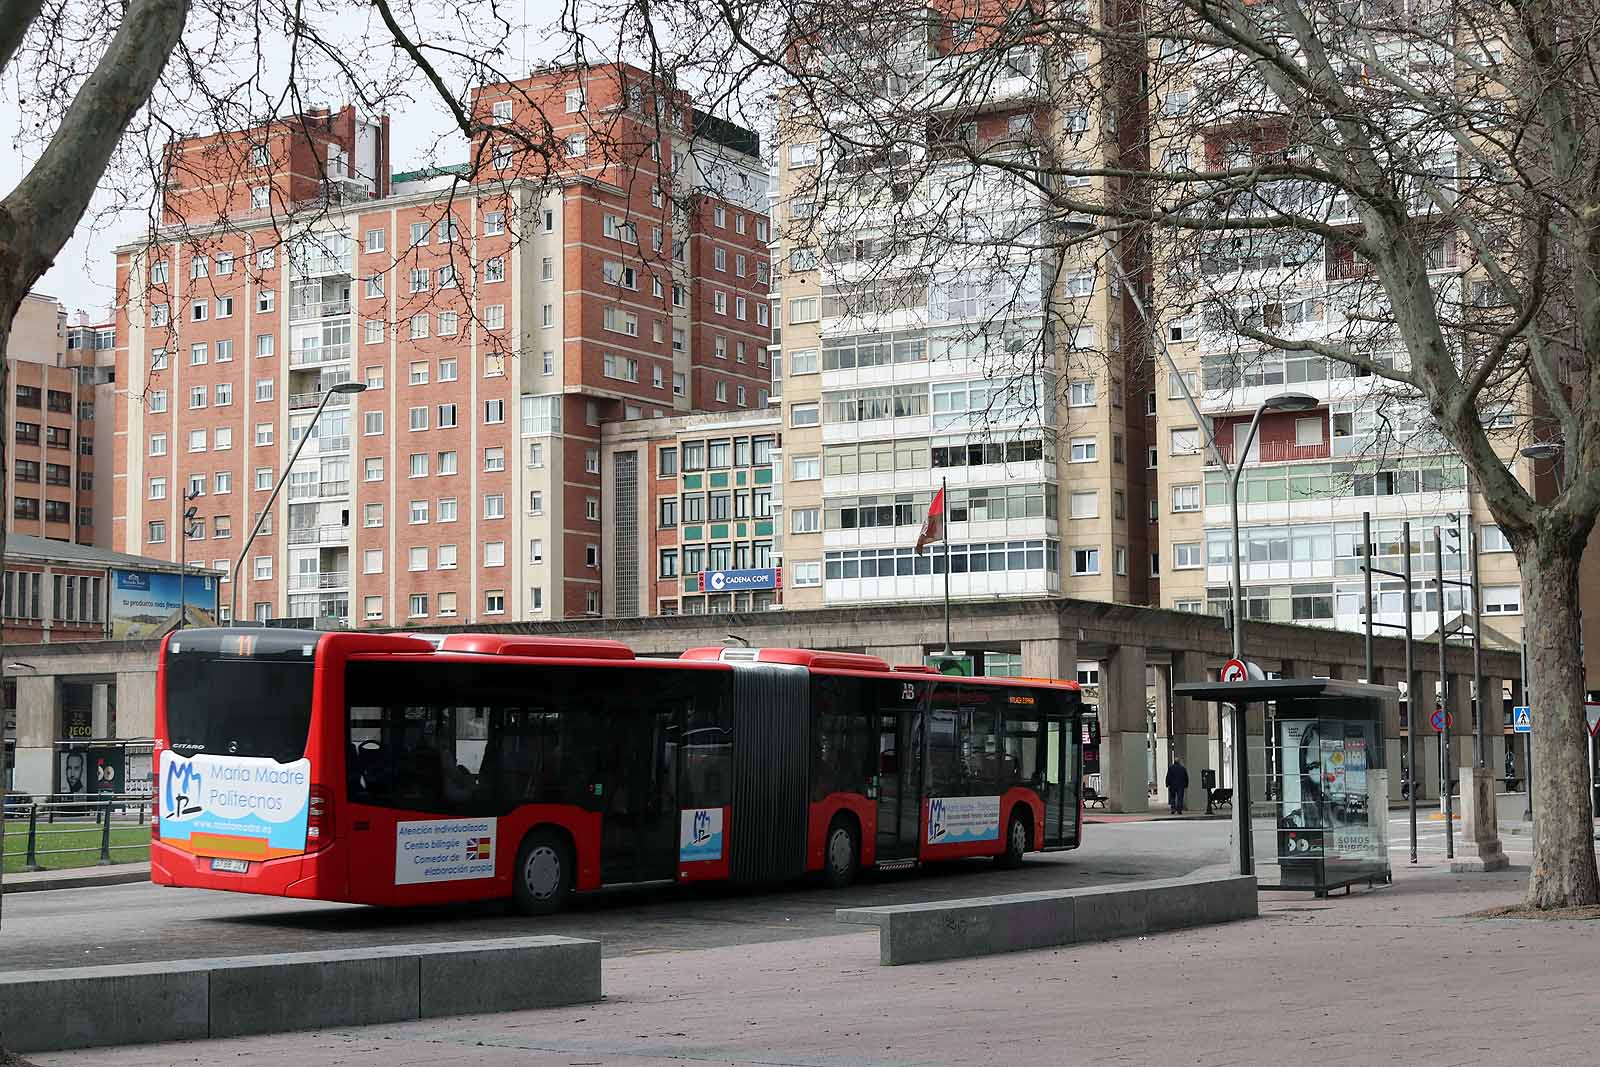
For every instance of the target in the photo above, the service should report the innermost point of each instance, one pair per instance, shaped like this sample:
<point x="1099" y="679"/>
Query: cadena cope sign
<point x="741" y="581"/>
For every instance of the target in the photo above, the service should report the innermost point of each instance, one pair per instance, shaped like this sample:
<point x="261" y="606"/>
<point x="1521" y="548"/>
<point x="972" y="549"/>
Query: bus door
<point x="899" y="783"/>
<point x="1060" y="779"/>
<point x="639" y="824"/>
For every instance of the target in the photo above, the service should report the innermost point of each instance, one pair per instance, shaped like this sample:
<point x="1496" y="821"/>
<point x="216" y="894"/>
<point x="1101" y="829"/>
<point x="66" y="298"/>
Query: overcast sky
<point x="84" y="272"/>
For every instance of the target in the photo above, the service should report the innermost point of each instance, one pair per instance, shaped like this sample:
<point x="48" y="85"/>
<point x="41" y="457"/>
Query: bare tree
<point x="1402" y="190"/>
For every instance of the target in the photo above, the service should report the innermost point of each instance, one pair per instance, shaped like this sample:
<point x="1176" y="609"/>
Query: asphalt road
<point x="142" y="922"/>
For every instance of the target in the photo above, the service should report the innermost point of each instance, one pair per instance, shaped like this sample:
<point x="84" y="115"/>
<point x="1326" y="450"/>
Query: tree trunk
<point x="1564" y="873"/>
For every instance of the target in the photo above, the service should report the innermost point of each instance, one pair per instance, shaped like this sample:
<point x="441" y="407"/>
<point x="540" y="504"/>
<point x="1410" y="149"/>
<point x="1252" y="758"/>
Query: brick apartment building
<point x="57" y="390"/>
<point x="601" y="257"/>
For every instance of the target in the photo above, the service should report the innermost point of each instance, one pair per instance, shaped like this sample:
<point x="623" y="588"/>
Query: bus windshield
<point x="235" y="695"/>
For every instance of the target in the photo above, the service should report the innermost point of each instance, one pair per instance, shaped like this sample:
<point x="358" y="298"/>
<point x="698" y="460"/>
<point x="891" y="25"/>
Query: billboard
<point x="740" y="581"/>
<point x="147" y="603"/>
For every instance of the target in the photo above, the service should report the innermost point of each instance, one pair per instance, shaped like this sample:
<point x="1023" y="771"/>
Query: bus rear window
<point x="255" y="705"/>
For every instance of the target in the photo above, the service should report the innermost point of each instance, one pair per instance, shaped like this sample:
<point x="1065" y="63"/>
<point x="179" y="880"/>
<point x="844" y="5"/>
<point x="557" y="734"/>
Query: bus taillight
<point x="319" y="822"/>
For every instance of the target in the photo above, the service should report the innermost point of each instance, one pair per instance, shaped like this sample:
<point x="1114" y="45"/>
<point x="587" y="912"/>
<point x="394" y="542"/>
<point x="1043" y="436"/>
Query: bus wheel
<point x="841" y="855"/>
<point x="543" y="876"/>
<point x="1016" y="842"/>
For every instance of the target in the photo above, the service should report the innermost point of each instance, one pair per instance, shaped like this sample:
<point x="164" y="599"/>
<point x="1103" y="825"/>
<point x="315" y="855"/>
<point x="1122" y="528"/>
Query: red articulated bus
<point x="393" y="769"/>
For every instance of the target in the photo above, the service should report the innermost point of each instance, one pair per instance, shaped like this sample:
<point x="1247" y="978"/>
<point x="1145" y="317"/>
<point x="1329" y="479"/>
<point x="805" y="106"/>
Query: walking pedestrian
<point x="1177" y="782"/>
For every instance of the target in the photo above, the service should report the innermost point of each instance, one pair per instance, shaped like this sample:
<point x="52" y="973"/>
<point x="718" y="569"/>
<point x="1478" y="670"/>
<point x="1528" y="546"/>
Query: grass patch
<point x="130" y="843"/>
<point x="1521" y="911"/>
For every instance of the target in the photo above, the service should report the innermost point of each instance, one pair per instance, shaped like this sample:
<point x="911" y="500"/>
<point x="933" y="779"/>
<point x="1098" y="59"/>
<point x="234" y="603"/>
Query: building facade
<point x="903" y="365"/>
<point x="58" y="419"/>
<point x="689" y="514"/>
<point x="608" y="267"/>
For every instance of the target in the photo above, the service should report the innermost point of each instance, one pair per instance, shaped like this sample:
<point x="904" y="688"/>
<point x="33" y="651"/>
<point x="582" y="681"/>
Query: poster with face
<point x="74" y="773"/>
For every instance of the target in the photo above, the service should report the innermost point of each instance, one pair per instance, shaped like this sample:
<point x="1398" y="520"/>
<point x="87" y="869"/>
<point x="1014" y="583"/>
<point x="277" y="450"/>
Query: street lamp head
<point x="349" y="387"/>
<point x="1543" y="450"/>
<point x="1290" y="402"/>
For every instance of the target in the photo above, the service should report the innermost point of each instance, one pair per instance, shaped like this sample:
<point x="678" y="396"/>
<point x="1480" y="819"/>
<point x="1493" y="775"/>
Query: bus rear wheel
<point x="841" y="855"/>
<point x="542" y="880"/>
<point x="1016" y="842"/>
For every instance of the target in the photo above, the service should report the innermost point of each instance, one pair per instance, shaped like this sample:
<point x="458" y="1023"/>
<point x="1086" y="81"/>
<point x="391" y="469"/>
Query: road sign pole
<point x="1444" y="702"/>
<point x="1412" y="725"/>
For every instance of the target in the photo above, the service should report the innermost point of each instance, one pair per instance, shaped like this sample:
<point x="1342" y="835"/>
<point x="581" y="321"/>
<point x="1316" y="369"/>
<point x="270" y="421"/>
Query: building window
<point x="1493" y="539"/>
<point x="804" y="415"/>
<point x="418" y="605"/>
<point x="156" y="533"/>
<point x="807" y="520"/>
<point x="1084" y="505"/>
<point x="419" y="512"/>
<point x="447" y="509"/>
<point x="1186" y="555"/>
<point x="1081" y="394"/>
<point x="1502" y="600"/>
<point x="1185" y="441"/>
<point x="494" y="506"/>
<point x="372" y="515"/>
<point x="262" y="568"/>
<point x="494" y="459"/>
<point x="591" y="555"/>
<point x="1186" y="498"/>
<point x="1086" y="561"/>
<point x="1084" y="450"/>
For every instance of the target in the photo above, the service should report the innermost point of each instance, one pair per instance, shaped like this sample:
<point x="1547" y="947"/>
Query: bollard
<point x="105" y="838"/>
<point x="31" y="862"/>
<point x="141" y="813"/>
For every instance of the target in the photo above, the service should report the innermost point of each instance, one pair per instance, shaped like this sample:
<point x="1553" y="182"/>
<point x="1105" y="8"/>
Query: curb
<point x="38" y="881"/>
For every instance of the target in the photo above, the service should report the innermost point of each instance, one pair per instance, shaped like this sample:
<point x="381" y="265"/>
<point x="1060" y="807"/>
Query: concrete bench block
<point x="953" y="929"/>
<point x="301" y="993"/>
<point x="140" y="1003"/>
<point x="511" y="975"/>
<point x="184" y="1000"/>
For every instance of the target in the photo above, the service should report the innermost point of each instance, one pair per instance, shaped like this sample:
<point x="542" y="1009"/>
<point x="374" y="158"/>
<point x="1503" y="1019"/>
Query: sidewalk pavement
<point x="1396" y="974"/>
<point x="76" y="877"/>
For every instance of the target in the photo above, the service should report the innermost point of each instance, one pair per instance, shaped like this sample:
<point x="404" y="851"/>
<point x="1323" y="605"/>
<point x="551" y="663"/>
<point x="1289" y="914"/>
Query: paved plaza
<point x="1396" y="975"/>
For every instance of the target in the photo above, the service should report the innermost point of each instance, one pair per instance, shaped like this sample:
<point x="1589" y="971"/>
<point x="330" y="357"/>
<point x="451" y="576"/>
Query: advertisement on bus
<point x="959" y="820"/>
<point x="443" y="850"/>
<point x="245" y="807"/>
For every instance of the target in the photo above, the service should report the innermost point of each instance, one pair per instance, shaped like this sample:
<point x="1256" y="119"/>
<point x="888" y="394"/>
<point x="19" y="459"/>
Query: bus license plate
<point x="232" y="866"/>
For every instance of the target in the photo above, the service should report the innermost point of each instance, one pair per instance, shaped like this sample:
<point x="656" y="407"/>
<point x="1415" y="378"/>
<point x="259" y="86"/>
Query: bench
<point x="188" y="1000"/>
<point x="1092" y="798"/>
<point x="982" y="926"/>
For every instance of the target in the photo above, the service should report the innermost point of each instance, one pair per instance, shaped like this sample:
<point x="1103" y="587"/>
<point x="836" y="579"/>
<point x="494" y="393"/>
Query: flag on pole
<point x="933" y="526"/>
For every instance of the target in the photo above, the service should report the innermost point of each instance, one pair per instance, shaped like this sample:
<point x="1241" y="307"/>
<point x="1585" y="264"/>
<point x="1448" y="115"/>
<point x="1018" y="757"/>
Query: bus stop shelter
<point x="1326" y="785"/>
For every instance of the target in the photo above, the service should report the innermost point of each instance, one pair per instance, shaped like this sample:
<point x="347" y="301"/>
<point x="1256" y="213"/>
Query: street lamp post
<point x="189" y="514"/>
<point x="343" y="388"/>
<point x="1281" y="402"/>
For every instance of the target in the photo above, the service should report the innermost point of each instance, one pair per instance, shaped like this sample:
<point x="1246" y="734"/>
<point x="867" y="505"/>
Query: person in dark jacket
<point x="1177" y="782"/>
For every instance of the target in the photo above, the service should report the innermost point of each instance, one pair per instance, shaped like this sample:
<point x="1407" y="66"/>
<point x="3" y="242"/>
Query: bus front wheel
<point x="543" y="877"/>
<point x="1016" y="842"/>
<point x="841" y="855"/>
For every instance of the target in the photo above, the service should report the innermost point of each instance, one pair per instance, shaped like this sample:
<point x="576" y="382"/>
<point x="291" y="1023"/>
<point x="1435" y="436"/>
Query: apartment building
<point x="688" y="504"/>
<point x="599" y="258"/>
<point x="1311" y="474"/>
<point x="52" y="432"/>
<point x="904" y="365"/>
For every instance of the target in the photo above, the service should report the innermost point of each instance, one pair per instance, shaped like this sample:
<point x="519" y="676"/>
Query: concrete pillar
<point x="136" y="703"/>
<point x="1051" y="657"/>
<point x="1480" y="838"/>
<point x="1124" y="776"/>
<point x="101" y="710"/>
<point x="898" y="655"/>
<point x="38" y="723"/>
<point x="1191" y="726"/>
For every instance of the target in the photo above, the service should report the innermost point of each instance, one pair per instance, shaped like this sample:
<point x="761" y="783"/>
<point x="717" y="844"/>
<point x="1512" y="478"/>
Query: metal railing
<point x="335" y="488"/>
<point x="63" y="815"/>
<point x="320" y="580"/>
<point x="321" y="309"/>
<point x="312" y="357"/>
<point x="298" y="401"/>
<point x="320" y="535"/>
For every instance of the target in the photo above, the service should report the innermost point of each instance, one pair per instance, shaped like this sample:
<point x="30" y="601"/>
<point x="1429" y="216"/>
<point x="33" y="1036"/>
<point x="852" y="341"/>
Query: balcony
<point x="1275" y="452"/>
<point x="323" y="580"/>
<point x="304" y="401"/>
<point x="316" y="357"/>
<point x="335" y="488"/>
<point x="321" y="310"/>
<point x="320" y="535"/>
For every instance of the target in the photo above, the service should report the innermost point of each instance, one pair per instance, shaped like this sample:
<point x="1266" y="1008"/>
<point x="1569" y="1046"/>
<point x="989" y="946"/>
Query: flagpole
<point x="944" y="485"/>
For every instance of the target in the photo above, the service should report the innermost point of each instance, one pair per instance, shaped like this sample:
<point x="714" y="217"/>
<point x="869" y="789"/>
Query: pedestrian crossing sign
<point x="1522" y="720"/>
